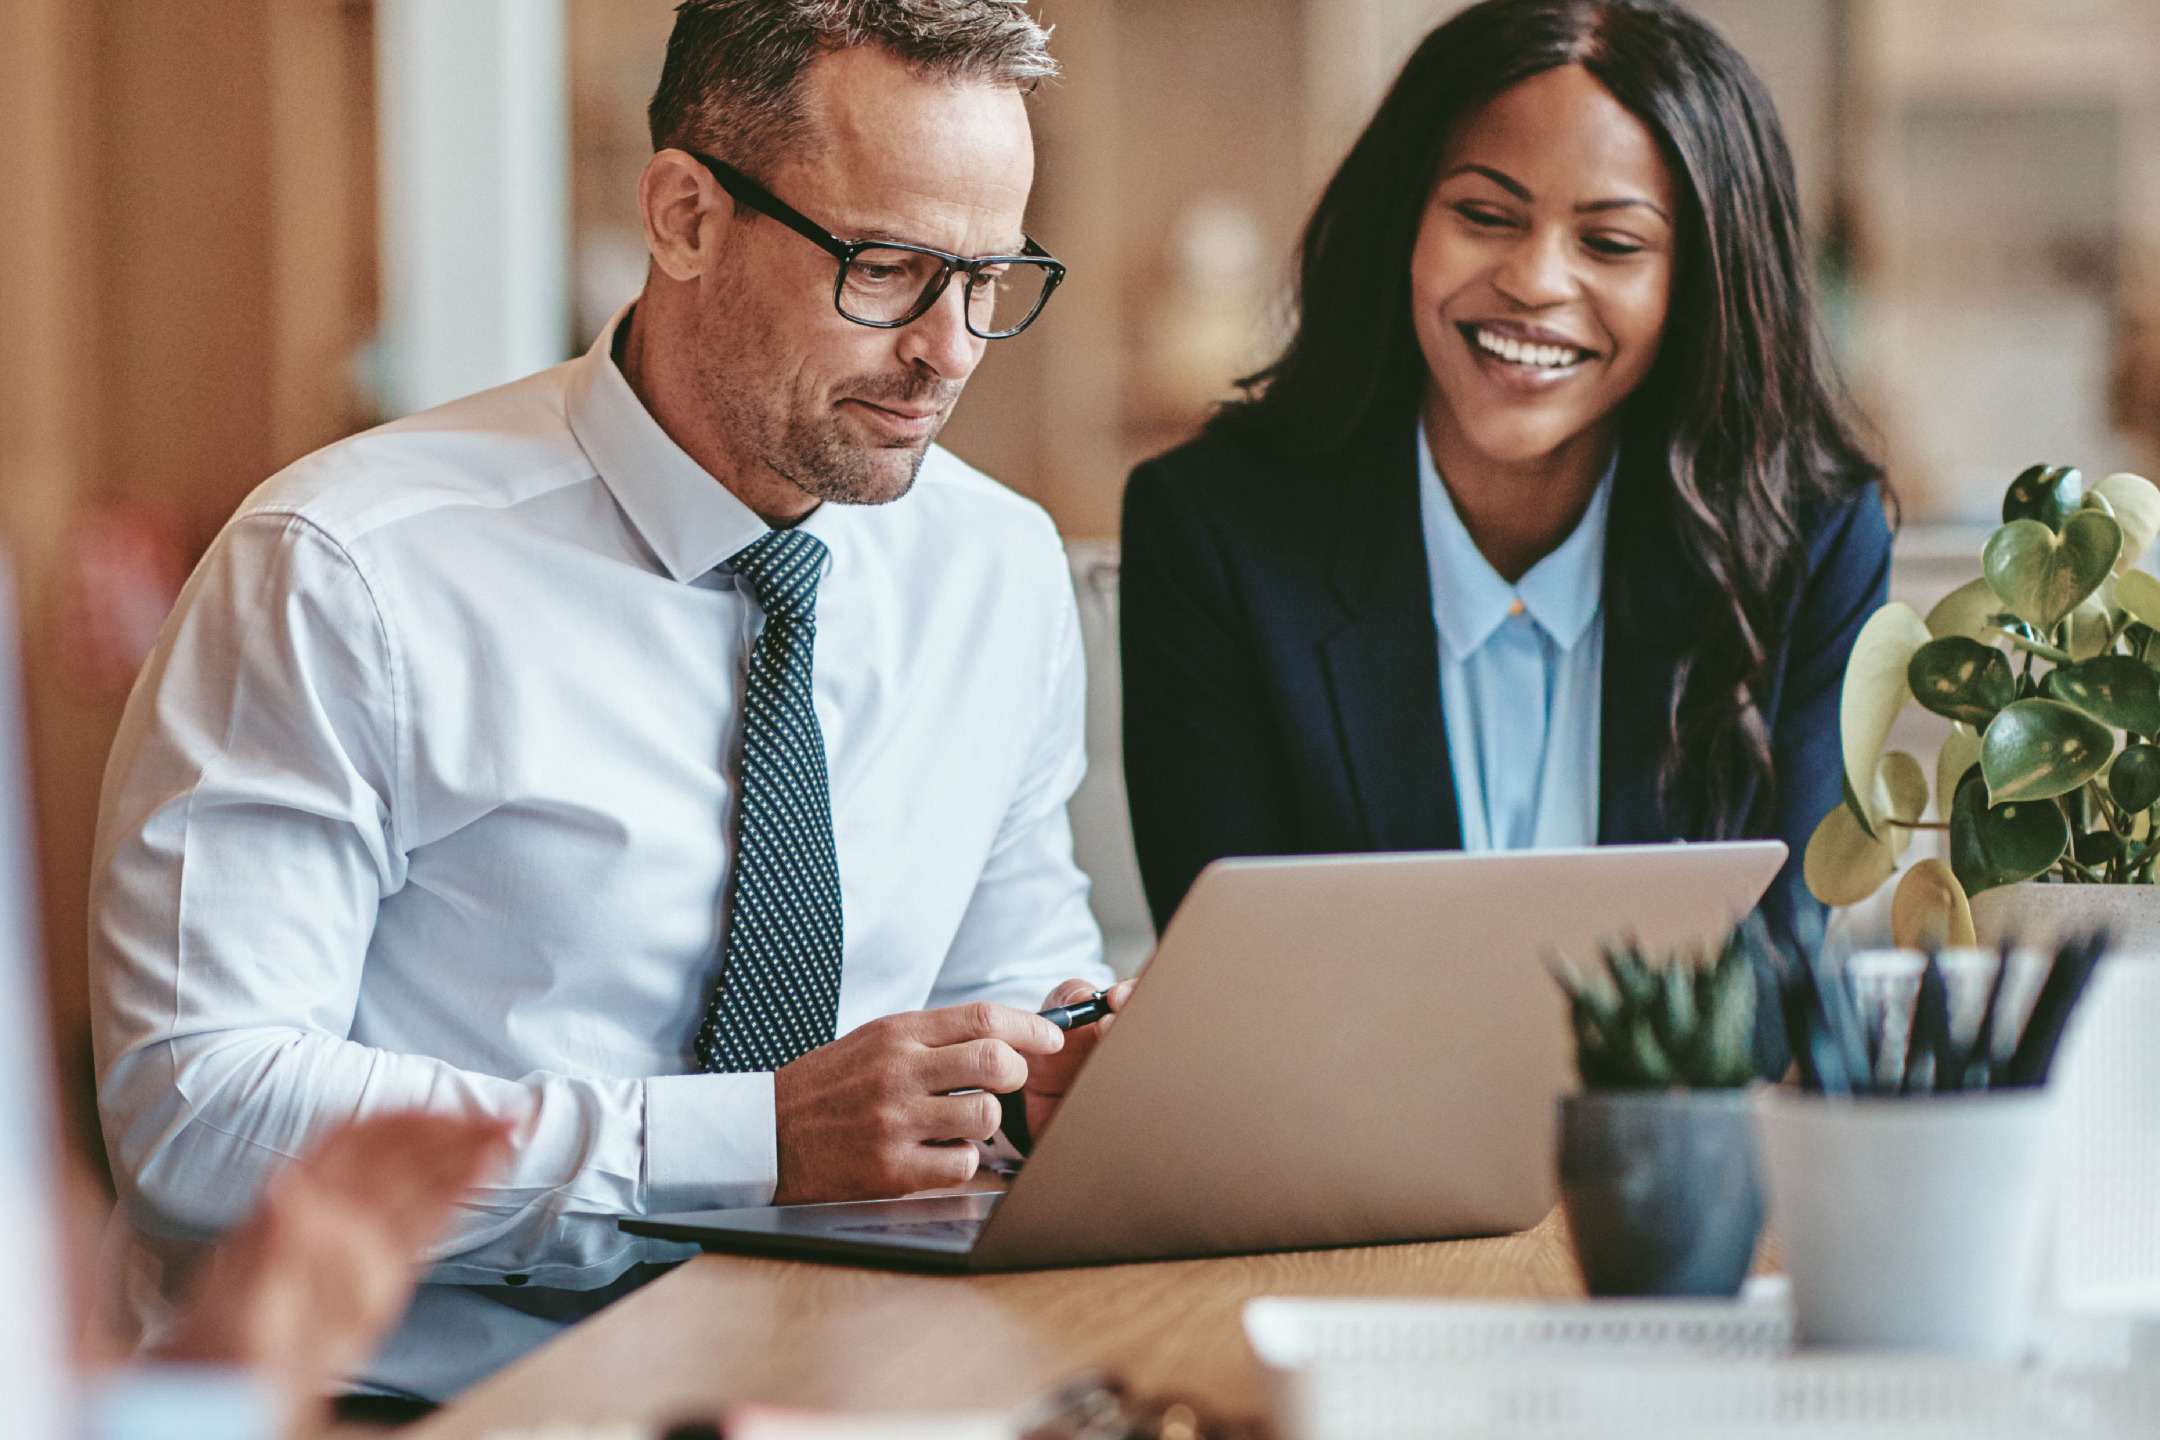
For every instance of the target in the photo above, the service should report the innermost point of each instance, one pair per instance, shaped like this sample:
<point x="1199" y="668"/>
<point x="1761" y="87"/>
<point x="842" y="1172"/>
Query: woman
<point x="1545" y="528"/>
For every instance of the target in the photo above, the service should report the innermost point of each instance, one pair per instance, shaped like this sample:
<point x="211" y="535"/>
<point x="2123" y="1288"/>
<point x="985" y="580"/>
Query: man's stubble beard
<point x="803" y="440"/>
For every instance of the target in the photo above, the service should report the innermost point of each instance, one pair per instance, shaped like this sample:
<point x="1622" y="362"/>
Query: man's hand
<point x="308" y="1286"/>
<point x="1050" y="1076"/>
<point x="874" y="1114"/>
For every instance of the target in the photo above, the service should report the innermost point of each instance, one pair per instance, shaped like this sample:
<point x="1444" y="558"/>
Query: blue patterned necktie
<point x="779" y="991"/>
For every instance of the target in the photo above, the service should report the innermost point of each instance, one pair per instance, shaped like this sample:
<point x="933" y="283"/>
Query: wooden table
<point x="725" y="1330"/>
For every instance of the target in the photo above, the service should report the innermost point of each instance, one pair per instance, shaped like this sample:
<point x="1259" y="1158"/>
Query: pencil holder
<point x="1914" y="1223"/>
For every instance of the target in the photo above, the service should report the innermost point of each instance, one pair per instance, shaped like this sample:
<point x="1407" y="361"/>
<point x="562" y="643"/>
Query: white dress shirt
<point x="426" y="798"/>
<point x="1521" y="671"/>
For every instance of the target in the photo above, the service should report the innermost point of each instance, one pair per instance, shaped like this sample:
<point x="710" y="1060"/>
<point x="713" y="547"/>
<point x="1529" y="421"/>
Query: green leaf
<point x="1961" y="679"/>
<point x="2134" y="778"/>
<point x="1930" y="909"/>
<point x="1857" y="808"/>
<point x="2078" y="809"/>
<point x="2038" y="749"/>
<point x="2136" y="503"/>
<point x="2113" y="689"/>
<point x="2002" y="844"/>
<point x="1846" y="860"/>
<point x="1705" y="978"/>
<point x="2138" y="593"/>
<point x="2045" y="493"/>
<point x="1595" y="1011"/>
<point x="1675" y="1015"/>
<point x="1595" y="1027"/>
<point x="1646" y="1058"/>
<point x="1599" y="1070"/>
<point x="1967" y="611"/>
<point x="1724" y="1053"/>
<point x="1960" y="752"/>
<point x="1596" y="1022"/>
<point x="2042" y="576"/>
<point x="1844" y="864"/>
<point x="2096" y="849"/>
<point x="1632" y="978"/>
<point x="1875" y="690"/>
<point x="2090" y="629"/>
<point x="1901" y="793"/>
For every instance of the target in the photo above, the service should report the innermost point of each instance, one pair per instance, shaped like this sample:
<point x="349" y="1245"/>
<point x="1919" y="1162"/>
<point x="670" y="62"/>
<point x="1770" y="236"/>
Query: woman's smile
<point x="1524" y="355"/>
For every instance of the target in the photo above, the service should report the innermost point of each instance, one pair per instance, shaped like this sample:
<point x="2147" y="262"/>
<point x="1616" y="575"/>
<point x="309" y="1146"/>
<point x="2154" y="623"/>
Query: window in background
<point x="2006" y="169"/>
<point x="475" y="171"/>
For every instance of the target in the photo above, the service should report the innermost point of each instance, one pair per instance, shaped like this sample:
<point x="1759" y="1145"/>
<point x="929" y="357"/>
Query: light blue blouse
<point x="1521" y="675"/>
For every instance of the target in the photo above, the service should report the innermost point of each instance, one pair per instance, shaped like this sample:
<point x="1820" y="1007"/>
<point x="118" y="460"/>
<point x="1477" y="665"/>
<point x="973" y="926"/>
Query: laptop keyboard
<point x="916" y="1229"/>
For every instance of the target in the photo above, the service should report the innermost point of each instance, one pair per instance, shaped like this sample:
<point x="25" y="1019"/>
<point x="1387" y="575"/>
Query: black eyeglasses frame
<point x="758" y="198"/>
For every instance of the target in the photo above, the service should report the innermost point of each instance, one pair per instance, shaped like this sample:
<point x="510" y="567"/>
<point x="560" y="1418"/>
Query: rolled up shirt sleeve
<point x="250" y="831"/>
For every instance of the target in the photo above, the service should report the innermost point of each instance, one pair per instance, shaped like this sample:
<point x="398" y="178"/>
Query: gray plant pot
<point x="1661" y="1190"/>
<point x="2037" y="913"/>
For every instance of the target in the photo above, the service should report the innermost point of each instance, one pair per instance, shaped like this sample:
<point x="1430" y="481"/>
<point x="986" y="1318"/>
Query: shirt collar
<point x="1562" y="592"/>
<point x="688" y="519"/>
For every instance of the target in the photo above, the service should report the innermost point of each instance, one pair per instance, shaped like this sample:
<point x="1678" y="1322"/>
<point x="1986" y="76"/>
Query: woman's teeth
<point x="1543" y="357"/>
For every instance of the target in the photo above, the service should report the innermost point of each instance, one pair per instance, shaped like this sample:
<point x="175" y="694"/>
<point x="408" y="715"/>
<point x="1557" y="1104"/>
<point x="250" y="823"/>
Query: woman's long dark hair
<point x="1729" y="440"/>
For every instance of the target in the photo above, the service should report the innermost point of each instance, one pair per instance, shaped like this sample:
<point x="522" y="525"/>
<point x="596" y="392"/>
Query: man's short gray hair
<point x="732" y="84"/>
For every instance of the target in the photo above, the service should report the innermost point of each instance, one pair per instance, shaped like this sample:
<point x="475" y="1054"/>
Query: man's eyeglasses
<point x="885" y="284"/>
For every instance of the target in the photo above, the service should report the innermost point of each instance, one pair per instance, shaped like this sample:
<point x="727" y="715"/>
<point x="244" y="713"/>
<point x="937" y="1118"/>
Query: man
<point x="669" y="750"/>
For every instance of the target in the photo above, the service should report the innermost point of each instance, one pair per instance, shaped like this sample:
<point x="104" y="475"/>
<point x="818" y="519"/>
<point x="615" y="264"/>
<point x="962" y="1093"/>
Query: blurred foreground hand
<point x="309" y="1285"/>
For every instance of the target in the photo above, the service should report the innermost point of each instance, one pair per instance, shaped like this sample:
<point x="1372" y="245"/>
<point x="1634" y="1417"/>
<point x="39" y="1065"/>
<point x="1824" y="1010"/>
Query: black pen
<point x="1085" y="1012"/>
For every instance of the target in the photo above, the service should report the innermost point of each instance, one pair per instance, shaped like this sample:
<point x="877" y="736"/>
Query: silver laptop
<point x="1333" y="1050"/>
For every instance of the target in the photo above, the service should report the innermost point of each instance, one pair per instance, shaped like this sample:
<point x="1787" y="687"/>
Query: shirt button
<point x="516" y="1279"/>
<point x="1516" y="608"/>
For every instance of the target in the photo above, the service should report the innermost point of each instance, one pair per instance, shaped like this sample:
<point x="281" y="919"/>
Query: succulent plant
<point x="1688" y="1020"/>
<point x="2047" y="669"/>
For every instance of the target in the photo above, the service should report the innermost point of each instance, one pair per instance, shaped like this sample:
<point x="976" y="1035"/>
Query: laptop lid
<point x="1334" y="1050"/>
<point x="1348" y="1050"/>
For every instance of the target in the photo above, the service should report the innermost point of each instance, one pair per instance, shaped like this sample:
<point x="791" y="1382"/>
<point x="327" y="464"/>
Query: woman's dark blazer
<point x="1282" y="671"/>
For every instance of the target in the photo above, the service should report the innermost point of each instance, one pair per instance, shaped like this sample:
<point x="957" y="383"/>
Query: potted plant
<point x="1910" y="1197"/>
<point x="1657" y="1157"/>
<point x="2047" y="669"/>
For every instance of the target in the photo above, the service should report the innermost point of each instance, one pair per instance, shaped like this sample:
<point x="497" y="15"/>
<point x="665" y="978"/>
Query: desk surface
<point x="724" y="1330"/>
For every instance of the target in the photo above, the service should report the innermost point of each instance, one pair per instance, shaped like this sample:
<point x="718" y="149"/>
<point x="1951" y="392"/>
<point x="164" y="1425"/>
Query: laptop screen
<point x="35" y="1368"/>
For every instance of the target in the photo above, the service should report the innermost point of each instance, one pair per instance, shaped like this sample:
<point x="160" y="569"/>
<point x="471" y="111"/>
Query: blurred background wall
<point x="226" y="223"/>
<point x="188" y="269"/>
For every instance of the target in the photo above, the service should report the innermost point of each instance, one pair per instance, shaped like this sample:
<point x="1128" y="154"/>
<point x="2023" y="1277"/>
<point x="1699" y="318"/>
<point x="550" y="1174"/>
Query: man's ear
<point x="675" y="198"/>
